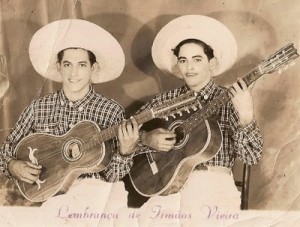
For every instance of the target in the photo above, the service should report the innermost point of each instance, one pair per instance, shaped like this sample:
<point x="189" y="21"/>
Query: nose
<point x="190" y="65"/>
<point x="74" y="72"/>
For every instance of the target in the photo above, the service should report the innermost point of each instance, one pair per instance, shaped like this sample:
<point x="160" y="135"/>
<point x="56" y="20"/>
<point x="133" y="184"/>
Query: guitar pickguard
<point x="35" y="161"/>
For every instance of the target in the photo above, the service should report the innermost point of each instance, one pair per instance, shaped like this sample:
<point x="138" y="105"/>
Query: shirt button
<point x="70" y="104"/>
<point x="205" y="97"/>
<point x="80" y="108"/>
<point x="71" y="125"/>
<point x="62" y="103"/>
<point x="47" y="129"/>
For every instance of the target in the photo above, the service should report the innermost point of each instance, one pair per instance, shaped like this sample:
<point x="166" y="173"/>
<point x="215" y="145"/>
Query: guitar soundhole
<point x="181" y="136"/>
<point x="72" y="150"/>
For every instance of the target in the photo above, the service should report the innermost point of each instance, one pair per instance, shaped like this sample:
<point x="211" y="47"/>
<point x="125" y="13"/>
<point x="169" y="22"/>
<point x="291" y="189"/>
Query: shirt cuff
<point x="124" y="158"/>
<point x="249" y="127"/>
<point x="5" y="169"/>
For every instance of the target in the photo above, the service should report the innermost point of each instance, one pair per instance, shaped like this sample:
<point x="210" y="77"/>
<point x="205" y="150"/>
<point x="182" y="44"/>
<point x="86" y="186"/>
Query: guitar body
<point x="165" y="173"/>
<point x="63" y="159"/>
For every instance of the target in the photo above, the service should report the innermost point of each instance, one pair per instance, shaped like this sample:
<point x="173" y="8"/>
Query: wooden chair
<point x="244" y="184"/>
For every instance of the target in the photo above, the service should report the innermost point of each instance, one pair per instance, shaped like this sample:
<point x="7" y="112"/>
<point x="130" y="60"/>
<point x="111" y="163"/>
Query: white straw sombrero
<point x="62" y="34"/>
<point x="203" y="28"/>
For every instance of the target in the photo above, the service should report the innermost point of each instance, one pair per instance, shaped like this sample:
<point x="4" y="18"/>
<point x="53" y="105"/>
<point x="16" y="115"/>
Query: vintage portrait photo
<point x="149" y="113"/>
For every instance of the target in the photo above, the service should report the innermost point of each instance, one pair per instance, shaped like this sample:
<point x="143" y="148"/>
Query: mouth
<point x="74" y="80"/>
<point x="190" y="74"/>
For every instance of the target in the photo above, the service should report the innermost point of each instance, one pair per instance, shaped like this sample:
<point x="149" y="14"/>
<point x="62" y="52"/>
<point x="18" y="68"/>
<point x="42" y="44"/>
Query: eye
<point x="67" y="64"/>
<point x="82" y="65"/>
<point x="197" y="60"/>
<point x="181" y="61"/>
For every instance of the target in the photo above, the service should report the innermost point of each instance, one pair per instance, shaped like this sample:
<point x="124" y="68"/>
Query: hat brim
<point x="47" y="42"/>
<point x="206" y="29"/>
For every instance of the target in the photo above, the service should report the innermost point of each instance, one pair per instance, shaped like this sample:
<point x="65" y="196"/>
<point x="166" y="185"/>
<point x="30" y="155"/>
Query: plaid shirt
<point x="56" y="115"/>
<point x="245" y="142"/>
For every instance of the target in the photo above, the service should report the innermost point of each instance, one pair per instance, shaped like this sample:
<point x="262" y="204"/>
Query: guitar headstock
<point x="279" y="60"/>
<point x="186" y="102"/>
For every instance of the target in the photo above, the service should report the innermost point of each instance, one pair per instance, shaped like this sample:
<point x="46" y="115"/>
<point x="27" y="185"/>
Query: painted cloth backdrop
<point x="260" y="28"/>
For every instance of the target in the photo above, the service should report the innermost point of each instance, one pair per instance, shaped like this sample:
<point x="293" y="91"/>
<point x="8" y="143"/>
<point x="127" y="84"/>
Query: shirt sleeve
<point x="248" y="141"/>
<point x="22" y="128"/>
<point x="119" y="165"/>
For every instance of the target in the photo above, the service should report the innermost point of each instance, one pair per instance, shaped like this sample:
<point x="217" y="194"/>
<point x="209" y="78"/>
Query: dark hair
<point x="91" y="55"/>
<point x="206" y="48"/>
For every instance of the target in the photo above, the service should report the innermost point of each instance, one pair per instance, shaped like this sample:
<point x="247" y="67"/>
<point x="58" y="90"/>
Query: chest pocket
<point x="54" y="128"/>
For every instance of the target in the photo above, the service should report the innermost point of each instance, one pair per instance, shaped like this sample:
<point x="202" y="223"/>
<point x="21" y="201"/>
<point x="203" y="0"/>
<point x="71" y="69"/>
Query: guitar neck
<point x="109" y="133"/>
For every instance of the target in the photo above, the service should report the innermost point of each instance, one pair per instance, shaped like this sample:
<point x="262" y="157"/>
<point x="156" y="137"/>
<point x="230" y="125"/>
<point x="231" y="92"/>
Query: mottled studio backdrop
<point x="260" y="27"/>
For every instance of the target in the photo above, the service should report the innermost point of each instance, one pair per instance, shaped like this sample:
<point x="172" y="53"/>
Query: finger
<point x="165" y="148"/>
<point x="243" y="84"/>
<point x="129" y="128"/>
<point x="170" y="142"/>
<point x="231" y="91"/>
<point x="236" y="87"/>
<point x="168" y="136"/>
<point x="32" y="165"/>
<point x="120" y="132"/>
<point x="134" y="125"/>
<point x="164" y="131"/>
<point x="28" y="178"/>
<point x="34" y="172"/>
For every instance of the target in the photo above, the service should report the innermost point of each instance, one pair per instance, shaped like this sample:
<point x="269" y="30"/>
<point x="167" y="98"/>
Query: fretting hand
<point x="242" y="100"/>
<point x="159" y="139"/>
<point x="128" y="133"/>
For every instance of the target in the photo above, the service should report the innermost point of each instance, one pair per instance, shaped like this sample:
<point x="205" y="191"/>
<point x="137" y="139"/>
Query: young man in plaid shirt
<point x="196" y="48"/>
<point x="75" y="52"/>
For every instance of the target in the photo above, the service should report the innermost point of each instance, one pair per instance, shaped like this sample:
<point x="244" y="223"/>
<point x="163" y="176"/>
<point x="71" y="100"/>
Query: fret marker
<point x="154" y="168"/>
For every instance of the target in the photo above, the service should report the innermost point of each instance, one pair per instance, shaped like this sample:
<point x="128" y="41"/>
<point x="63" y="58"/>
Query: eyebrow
<point x="195" y="56"/>
<point x="80" y="62"/>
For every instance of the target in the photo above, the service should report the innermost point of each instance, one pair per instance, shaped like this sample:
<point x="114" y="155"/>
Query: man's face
<point x="194" y="66"/>
<point x="76" y="70"/>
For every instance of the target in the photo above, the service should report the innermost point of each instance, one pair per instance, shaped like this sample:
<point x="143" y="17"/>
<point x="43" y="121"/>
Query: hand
<point x="242" y="100"/>
<point x="24" y="171"/>
<point x="159" y="139"/>
<point x="128" y="133"/>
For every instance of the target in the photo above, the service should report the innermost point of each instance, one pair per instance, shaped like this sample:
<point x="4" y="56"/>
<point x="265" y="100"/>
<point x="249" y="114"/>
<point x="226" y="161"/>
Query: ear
<point x="95" y="67"/>
<point x="58" y="66"/>
<point x="176" y="71"/>
<point x="213" y="64"/>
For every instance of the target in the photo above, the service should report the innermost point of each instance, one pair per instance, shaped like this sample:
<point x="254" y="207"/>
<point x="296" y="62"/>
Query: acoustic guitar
<point x="83" y="149"/>
<point x="198" y="138"/>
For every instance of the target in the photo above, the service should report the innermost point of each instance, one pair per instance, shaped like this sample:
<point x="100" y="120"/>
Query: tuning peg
<point x="173" y="115"/>
<point x="194" y="108"/>
<point x="180" y="113"/>
<point x="187" y="110"/>
<point x="166" y="118"/>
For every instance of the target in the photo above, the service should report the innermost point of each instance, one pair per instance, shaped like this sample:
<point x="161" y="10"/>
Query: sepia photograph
<point x="153" y="113"/>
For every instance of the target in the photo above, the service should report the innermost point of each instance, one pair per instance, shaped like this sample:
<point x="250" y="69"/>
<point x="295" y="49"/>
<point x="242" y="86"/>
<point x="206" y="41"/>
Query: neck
<point x="199" y="87"/>
<point x="76" y="95"/>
